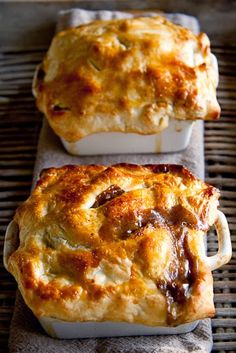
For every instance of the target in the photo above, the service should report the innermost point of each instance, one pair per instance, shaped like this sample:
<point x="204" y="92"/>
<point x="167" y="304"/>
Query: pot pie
<point x="123" y="243"/>
<point x="126" y="75"/>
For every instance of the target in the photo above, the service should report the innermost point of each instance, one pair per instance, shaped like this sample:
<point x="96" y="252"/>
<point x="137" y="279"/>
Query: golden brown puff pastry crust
<point x="126" y="75"/>
<point x="119" y="243"/>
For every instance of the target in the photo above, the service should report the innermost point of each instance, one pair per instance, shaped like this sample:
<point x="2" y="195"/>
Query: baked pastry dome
<point x="120" y="243"/>
<point x="126" y="75"/>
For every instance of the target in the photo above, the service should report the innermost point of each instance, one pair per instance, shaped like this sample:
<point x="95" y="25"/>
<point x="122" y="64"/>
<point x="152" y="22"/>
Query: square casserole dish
<point x="68" y="330"/>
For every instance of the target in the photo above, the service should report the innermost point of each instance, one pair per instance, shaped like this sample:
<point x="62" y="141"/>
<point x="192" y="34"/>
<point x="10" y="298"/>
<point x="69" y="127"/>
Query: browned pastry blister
<point x="126" y="75"/>
<point x="120" y="243"/>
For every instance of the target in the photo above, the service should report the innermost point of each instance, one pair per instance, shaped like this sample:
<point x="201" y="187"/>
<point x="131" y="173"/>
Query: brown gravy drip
<point x="181" y="274"/>
<point x="107" y="195"/>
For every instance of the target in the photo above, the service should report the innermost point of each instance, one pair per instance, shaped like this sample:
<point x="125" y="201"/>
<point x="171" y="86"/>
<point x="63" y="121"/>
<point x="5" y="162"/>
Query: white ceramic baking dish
<point x="174" y="138"/>
<point x="62" y="329"/>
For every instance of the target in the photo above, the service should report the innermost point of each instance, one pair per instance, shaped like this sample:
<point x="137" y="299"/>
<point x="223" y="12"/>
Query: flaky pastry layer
<point x="126" y="75"/>
<point x="120" y="243"/>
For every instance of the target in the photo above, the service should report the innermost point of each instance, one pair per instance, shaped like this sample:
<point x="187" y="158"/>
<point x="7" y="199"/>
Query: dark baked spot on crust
<point x="124" y="26"/>
<point x="71" y="78"/>
<point x="77" y="263"/>
<point x="122" y="102"/>
<point x="89" y="89"/>
<point x="96" y="48"/>
<point x="70" y="196"/>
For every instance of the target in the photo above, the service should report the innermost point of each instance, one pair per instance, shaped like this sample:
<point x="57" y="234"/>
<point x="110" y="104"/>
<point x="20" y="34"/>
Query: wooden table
<point x="20" y="124"/>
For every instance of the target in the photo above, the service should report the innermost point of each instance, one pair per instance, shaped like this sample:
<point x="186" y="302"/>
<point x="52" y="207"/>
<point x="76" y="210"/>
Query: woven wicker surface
<point x="19" y="127"/>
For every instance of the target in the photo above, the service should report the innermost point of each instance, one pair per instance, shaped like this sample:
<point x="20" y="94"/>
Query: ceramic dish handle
<point x="11" y="242"/>
<point x="224" y="244"/>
